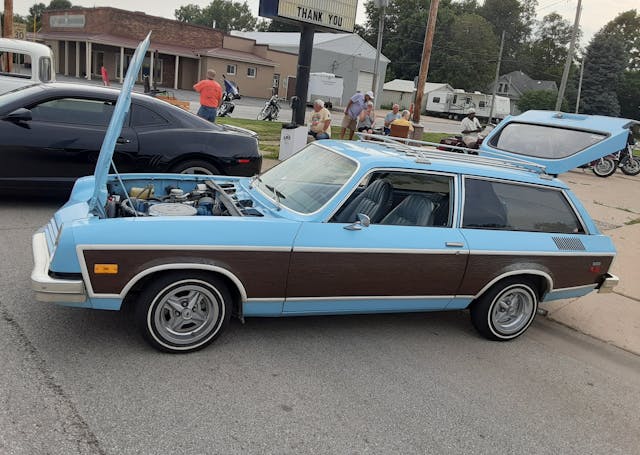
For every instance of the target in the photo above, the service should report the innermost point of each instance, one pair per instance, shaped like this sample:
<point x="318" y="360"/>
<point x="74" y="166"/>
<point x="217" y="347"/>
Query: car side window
<point x="402" y="199"/>
<point x="517" y="207"/>
<point x="75" y="111"/>
<point x="142" y="116"/>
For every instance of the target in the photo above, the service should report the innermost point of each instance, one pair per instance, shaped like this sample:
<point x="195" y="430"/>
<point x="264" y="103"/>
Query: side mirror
<point x="19" y="115"/>
<point x="363" y="221"/>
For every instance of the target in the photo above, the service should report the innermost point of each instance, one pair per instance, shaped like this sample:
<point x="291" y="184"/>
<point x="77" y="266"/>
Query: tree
<point x="629" y="95"/>
<point x="549" y="48"/>
<point x="626" y="26"/>
<point x="228" y="15"/>
<point x="59" y="4"/>
<point x="274" y="25"/>
<point x="38" y="8"/>
<point x="603" y="70"/>
<point x="539" y="99"/>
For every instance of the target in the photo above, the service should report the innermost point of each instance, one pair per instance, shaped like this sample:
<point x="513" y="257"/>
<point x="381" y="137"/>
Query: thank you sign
<point x="334" y="14"/>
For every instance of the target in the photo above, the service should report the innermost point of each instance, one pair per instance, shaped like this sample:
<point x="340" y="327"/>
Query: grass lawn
<point x="270" y="133"/>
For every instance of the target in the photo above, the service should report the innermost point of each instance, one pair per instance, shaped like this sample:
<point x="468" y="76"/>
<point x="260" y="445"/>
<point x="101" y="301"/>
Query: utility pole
<point x="580" y="86"/>
<point x="382" y="9"/>
<point x="567" y="64"/>
<point x="8" y="30"/>
<point x="495" y="82"/>
<point x="426" y="56"/>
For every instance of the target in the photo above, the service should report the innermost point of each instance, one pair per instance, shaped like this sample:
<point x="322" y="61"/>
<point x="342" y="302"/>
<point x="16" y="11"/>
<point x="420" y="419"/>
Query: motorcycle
<point x="624" y="159"/>
<point x="270" y="109"/>
<point x="456" y="141"/>
<point x="231" y="92"/>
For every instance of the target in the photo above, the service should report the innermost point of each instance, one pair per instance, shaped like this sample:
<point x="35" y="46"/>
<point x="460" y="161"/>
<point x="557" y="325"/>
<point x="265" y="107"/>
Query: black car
<point x="51" y="134"/>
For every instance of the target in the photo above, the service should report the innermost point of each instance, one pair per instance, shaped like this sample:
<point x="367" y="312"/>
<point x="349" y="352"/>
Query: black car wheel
<point x="198" y="167"/>
<point x="506" y="310"/>
<point x="183" y="311"/>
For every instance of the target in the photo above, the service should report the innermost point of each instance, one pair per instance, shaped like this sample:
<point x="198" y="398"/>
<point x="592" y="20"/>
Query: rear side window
<point x="514" y="207"/>
<point x="141" y="116"/>
<point x="75" y="111"/>
<point x="544" y="141"/>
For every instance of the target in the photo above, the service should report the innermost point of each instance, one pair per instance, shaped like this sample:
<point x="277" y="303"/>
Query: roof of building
<point x="237" y="56"/>
<point x="521" y="82"/>
<point x="401" y="85"/>
<point x="341" y="43"/>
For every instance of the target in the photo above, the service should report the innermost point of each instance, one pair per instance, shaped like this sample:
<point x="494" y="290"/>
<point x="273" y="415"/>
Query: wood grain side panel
<point x="263" y="273"/>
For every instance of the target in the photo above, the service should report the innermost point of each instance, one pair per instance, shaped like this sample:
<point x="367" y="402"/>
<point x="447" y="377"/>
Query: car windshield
<point x="308" y="180"/>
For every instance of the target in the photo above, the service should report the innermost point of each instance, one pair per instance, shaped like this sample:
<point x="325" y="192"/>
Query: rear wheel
<point x="604" y="167"/>
<point x="506" y="310"/>
<point x="183" y="311"/>
<point x="198" y="167"/>
<point x="631" y="166"/>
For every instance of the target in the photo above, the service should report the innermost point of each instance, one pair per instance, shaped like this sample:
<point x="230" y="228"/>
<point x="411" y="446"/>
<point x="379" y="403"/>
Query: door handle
<point x="122" y="140"/>
<point x="454" y="244"/>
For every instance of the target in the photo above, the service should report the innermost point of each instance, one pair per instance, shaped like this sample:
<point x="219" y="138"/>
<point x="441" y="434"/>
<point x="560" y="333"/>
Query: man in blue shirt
<point x="390" y="117"/>
<point x="356" y="104"/>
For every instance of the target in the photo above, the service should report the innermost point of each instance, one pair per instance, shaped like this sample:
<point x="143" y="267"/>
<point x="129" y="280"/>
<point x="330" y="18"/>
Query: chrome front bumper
<point x="49" y="289"/>
<point x="609" y="282"/>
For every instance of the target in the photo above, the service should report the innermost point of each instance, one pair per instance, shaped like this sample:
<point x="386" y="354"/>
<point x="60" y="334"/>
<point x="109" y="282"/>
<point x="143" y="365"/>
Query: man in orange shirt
<point x="210" y="96"/>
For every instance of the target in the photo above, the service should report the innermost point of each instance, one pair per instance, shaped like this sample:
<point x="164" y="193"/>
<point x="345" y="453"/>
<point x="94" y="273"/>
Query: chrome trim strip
<point x="185" y="247"/>
<point x="516" y="272"/>
<point x="265" y="300"/>
<point x="372" y="297"/>
<point x="537" y="253"/>
<point x="576" y="288"/>
<point x="313" y="249"/>
<point x="49" y="289"/>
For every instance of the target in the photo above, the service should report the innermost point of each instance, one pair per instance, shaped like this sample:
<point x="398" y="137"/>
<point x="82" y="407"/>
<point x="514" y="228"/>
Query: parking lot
<point x="78" y="381"/>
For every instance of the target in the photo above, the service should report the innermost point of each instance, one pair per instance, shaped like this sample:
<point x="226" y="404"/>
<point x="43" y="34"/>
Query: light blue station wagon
<point x="339" y="228"/>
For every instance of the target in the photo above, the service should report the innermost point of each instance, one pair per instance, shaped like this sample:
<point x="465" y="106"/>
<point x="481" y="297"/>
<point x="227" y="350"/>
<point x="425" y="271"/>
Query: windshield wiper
<point x="278" y="195"/>
<point x="253" y="180"/>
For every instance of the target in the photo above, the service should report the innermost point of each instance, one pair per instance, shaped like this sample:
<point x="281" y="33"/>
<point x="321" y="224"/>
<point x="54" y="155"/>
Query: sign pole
<point x="426" y="56"/>
<point x="302" y="76"/>
<point x="382" y="9"/>
<point x="8" y="30"/>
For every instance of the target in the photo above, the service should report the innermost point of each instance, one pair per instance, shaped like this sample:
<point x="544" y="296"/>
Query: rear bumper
<point x="49" y="289"/>
<point x="609" y="281"/>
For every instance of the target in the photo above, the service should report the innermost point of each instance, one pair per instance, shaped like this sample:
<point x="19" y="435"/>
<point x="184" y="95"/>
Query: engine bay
<point x="179" y="198"/>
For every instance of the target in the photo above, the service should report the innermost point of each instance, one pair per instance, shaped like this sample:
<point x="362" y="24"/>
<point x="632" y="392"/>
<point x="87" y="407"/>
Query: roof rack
<point x="416" y="148"/>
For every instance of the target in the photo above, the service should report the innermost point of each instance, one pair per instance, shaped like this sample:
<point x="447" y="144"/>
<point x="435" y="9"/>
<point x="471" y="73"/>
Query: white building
<point x="402" y="92"/>
<point x="346" y="55"/>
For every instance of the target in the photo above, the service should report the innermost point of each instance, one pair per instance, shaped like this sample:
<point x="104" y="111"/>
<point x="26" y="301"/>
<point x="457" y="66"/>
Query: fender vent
<point x="569" y="243"/>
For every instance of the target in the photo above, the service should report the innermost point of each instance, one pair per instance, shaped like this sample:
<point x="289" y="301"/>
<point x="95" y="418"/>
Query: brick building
<point x="85" y="39"/>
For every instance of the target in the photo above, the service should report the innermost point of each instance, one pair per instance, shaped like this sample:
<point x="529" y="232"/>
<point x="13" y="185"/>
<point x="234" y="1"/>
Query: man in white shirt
<point x="470" y="128"/>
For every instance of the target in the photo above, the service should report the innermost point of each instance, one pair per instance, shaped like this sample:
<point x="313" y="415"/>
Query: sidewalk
<point x="614" y="203"/>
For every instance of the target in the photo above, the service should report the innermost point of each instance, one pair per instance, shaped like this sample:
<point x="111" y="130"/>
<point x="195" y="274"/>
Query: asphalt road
<point x="84" y="382"/>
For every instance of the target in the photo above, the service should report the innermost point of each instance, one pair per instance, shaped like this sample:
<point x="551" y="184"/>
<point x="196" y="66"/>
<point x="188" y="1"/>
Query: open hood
<point x="557" y="140"/>
<point x="99" y="198"/>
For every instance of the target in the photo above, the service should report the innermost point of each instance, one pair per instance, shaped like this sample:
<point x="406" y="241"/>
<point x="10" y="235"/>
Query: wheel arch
<point x="233" y="283"/>
<point x="541" y="278"/>
<point x="197" y="156"/>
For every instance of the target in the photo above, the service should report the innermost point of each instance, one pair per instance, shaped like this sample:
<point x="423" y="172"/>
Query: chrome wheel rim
<point x="512" y="310"/>
<point x="632" y="166"/>
<point x="604" y="166"/>
<point x="186" y="313"/>
<point x="196" y="170"/>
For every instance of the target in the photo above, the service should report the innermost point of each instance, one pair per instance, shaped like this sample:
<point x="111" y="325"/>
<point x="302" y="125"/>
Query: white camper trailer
<point x="455" y="105"/>
<point x="325" y="86"/>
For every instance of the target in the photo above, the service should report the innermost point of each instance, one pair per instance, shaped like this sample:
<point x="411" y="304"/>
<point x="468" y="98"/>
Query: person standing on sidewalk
<point x="210" y="96"/>
<point x="357" y="103"/>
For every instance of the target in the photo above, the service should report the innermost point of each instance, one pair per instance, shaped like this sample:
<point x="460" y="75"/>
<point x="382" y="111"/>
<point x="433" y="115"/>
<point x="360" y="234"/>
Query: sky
<point x="595" y="13"/>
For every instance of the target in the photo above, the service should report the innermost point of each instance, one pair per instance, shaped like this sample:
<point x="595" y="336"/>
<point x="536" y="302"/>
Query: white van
<point x="30" y="63"/>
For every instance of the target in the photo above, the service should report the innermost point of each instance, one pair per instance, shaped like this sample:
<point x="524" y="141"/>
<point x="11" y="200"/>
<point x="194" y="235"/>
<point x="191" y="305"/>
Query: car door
<point x="61" y="142"/>
<point x="515" y="228"/>
<point x="382" y="267"/>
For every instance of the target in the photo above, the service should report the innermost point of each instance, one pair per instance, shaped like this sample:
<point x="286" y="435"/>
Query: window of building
<point x="517" y="207"/>
<point x="436" y="99"/>
<point x="251" y="71"/>
<point x="231" y="70"/>
<point x="482" y="104"/>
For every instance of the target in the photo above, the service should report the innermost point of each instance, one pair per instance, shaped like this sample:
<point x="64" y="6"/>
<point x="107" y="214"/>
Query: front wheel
<point x="197" y="167"/>
<point x="183" y="311"/>
<point x="505" y="311"/>
<point x="631" y="166"/>
<point x="604" y="167"/>
<point x="264" y="113"/>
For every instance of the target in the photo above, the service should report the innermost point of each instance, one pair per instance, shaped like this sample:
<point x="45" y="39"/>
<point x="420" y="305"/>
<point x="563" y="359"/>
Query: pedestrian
<point x="390" y="117"/>
<point x="210" y="96"/>
<point x="366" y="119"/>
<point x="470" y="128"/>
<point x="320" y="124"/>
<point x="357" y="103"/>
<point x="404" y="120"/>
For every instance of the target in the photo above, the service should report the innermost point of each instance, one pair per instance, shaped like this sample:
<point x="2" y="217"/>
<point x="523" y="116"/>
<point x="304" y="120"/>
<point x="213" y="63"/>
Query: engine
<point x="205" y="199"/>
